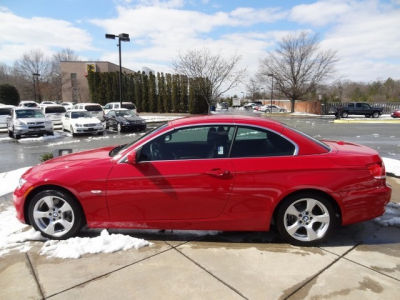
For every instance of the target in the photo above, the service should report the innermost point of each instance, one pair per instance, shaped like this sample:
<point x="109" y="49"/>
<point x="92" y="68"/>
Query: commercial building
<point x="75" y="87"/>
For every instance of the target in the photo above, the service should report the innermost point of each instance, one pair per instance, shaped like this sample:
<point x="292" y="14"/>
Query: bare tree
<point x="297" y="66"/>
<point x="212" y="73"/>
<point x="253" y="89"/>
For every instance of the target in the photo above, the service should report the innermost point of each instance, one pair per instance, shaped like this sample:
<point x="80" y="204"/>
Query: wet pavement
<point x="385" y="138"/>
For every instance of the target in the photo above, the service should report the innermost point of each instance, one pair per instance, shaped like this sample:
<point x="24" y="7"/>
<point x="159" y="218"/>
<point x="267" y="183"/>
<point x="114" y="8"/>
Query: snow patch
<point x="157" y="118"/>
<point x="9" y="180"/>
<point x="391" y="217"/>
<point x="40" y="139"/>
<point x="92" y="138"/>
<point x="105" y="243"/>
<point x="392" y="165"/>
<point x="5" y="139"/>
<point x="63" y="143"/>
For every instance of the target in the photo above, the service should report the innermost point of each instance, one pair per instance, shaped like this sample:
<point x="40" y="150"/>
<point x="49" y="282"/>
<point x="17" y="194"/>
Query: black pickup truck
<point x="358" y="108"/>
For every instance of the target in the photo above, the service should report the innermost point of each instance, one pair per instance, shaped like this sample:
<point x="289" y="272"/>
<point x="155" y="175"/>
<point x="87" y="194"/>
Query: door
<point x="181" y="175"/>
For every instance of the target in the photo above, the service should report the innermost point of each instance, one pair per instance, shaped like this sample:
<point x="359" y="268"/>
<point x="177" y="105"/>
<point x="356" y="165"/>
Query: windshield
<point x="121" y="148"/>
<point x="128" y="106"/>
<point x="80" y="114"/>
<point x="30" y="104"/>
<point x="29" y="113"/>
<point x="54" y="109"/>
<point x="93" y="108"/>
<point x="5" y="111"/>
<point x="124" y="113"/>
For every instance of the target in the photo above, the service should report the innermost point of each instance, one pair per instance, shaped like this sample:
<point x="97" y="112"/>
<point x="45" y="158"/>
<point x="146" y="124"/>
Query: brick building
<point x="75" y="86"/>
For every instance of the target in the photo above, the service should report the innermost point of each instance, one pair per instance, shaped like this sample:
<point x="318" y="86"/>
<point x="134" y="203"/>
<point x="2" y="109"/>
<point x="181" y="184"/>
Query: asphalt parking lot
<point x="359" y="261"/>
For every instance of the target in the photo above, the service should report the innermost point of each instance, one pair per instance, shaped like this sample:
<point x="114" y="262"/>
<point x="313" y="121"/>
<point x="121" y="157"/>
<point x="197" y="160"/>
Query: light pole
<point x="272" y="89"/>
<point x="125" y="38"/>
<point x="35" y="77"/>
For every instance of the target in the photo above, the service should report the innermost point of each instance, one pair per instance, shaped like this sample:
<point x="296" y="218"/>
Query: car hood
<point x="85" y="121"/>
<point x="129" y="118"/>
<point x="29" y="120"/>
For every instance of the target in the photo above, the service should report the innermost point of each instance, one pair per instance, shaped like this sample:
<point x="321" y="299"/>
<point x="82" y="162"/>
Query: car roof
<point x="120" y="109"/>
<point x="229" y="119"/>
<point x="123" y="102"/>
<point x="25" y="108"/>
<point x="76" y="110"/>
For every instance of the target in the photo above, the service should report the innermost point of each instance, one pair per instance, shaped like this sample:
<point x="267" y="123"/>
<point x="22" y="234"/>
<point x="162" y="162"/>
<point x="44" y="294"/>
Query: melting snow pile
<point x="391" y="217"/>
<point x="9" y="180"/>
<point x="392" y="166"/>
<point x="14" y="236"/>
<point x="105" y="243"/>
<point x="57" y="135"/>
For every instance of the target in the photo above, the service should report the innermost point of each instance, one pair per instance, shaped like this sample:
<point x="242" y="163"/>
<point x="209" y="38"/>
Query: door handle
<point x="218" y="172"/>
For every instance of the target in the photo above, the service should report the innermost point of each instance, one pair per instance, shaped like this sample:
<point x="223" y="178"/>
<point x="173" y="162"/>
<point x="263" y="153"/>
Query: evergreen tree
<point x="9" y="94"/>
<point x="174" y="93"/>
<point x="145" y="92"/>
<point x="160" y="94"/>
<point x="138" y="91"/>
<point x="168" y="93"/>
<point x="152" y="93"/>
<point x="183" y="105"/>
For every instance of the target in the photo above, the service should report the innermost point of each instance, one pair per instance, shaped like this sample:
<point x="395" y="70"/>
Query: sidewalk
<point x="360" y="261"/>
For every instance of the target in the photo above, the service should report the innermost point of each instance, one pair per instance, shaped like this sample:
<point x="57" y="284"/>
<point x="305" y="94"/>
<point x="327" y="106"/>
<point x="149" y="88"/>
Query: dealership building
<point x="75" y="87"/>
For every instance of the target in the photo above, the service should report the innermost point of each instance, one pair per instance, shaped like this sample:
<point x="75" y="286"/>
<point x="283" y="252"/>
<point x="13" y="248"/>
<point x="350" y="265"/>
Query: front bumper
<point x="32" y="131"/>
<point x="133" y="127"/>
<point x="89" y="129"/>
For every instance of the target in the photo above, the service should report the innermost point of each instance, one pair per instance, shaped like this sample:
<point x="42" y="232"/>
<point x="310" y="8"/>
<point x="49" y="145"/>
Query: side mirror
<point x="131" y="158"/>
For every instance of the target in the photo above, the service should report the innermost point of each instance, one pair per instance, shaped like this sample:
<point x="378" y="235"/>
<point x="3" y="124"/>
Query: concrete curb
<point x="367" y="121"/>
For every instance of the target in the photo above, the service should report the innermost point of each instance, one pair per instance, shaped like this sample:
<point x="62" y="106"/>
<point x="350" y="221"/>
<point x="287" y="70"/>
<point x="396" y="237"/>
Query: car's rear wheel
<point x="375" y="114"/>
<point x="55" y="214"/>
<point x="345" y="114"/>
<point x="305" y="219"/>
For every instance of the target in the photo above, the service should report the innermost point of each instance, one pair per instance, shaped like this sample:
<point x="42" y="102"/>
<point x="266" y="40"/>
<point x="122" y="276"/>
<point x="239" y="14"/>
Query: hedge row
<point x="151" y="93"/>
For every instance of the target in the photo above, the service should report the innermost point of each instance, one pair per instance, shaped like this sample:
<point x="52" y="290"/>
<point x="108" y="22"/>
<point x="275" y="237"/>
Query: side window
<point x="252" y="142"/>
<point x="108" y="106"/>
<point x="66" y="115"/>
<point x="358" y="105"/>
<point x="199" y="142"/>
<point x="351" y="105"/>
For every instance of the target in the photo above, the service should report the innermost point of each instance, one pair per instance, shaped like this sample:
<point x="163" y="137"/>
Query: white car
<point x="272" y="108"/>
<point x="5" y="114"/>
<point x="28" y="121"/>
<point x="47" y="102"/>
<point x="79" y="121"/>
<point x="54" y="113"/>
<point x="68" y="105"/>
<point x="93" y="108"/>
<point x="115" y="105"/>
<point x="28" y="103"/>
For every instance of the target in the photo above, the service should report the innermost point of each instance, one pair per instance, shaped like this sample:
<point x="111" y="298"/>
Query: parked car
<point x="93" y="108"/>
<point x="124" y="120"/>
<point x="55" y="113"/>
<point x="272" y="108"/>
<point x="47" y="103"/>
<point x="26" y="121"/>
<point x="79" y="121"/>
<point x="5" y="114"/>
<point x="68" y="105"/>
<point x="396" y="113"/>
<point x="358" y="108"/>
<point x="28" y="103"/>
<point x="115" y="105"/>
<point x="221" y="172"/>
<point x="252" y="106"/>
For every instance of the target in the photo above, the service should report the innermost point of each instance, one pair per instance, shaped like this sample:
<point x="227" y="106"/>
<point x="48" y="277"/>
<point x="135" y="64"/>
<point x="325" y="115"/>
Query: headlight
<point x="20" y="124"/>
<point x="21" y="182"/>
<point x="78" y="125"/>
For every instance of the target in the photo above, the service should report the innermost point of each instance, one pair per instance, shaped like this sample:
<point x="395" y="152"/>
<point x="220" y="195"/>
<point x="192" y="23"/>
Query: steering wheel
<point x="155" y="151"/>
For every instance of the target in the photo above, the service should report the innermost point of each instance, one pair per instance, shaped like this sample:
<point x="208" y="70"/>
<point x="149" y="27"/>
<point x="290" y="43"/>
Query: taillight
<point x="377" y="170"/>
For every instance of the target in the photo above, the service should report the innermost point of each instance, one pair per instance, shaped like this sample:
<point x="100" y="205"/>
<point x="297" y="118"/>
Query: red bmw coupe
<point x="229" y="173"/>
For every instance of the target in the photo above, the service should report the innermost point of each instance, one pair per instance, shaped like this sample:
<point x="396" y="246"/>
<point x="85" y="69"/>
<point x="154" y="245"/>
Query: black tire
<point x="305" y="230"/>
<point x="345" y="114"/>
<point x="52" y="218"/>
<point x="72" y="131"/>
<point x="375" y="114"/>
<point x="10" y="134"/>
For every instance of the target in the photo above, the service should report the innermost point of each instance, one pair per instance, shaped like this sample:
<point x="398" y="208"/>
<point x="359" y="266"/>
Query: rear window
<point x="93" y="108"/>
<point x="5" y="111"/>
<point x="54" y="109"/>
<point x="30" y="104"/>
<point x="128" y="106"/>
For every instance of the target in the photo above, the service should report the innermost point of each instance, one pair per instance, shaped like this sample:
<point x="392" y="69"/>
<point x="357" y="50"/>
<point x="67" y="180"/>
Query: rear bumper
<point x="365" y="204"/>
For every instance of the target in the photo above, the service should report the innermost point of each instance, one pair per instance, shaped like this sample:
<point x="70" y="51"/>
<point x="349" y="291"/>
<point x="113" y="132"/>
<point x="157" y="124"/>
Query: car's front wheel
<point x="55" y="214"/>
<point x="345" y="114"/>
<point x="305" y="219"/>
<point x="375" y="114"/>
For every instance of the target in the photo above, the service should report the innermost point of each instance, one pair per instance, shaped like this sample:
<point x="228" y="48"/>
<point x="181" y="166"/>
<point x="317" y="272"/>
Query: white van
<point x="54" y="113"/>
<point x="115" y="105"/>
<point x="93" y="108"/>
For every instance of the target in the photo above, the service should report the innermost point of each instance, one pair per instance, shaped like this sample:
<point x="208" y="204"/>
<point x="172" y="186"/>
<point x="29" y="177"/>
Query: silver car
<point x="26" y="121"/>
<point x="5" y="114"/>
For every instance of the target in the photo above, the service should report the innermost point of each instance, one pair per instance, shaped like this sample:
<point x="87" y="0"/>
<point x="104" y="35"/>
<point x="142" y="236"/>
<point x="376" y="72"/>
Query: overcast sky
<point x="365" y="34"/>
